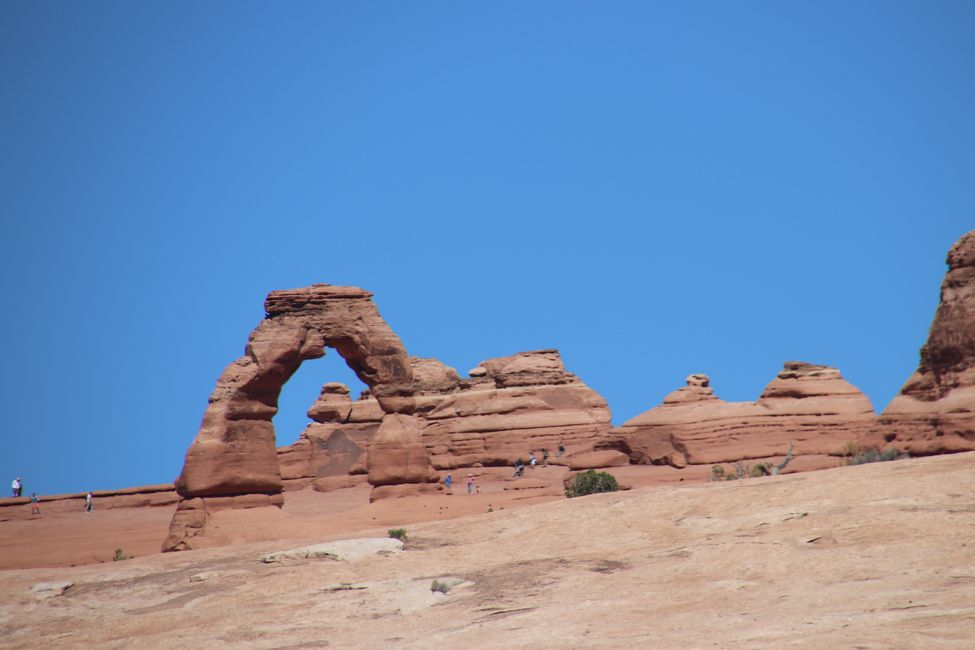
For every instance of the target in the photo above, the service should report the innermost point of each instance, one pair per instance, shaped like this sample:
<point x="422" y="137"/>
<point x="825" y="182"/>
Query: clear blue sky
<point x="655" y="189"/>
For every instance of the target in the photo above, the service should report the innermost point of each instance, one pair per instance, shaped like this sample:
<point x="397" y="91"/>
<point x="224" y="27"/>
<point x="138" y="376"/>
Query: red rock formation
<point x="398" y="462"/>
<point x="809" y="405"/>
<point x="508" y="407"/>
<point x="935" y="410"/>
<point x="233" y="461"/>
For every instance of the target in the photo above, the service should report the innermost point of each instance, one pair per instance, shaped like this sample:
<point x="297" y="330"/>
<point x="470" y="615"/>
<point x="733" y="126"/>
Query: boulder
<point x="397" y="454"/>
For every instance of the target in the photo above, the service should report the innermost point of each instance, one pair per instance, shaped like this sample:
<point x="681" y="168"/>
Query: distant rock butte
<point x="814" y="407"/>
<point x="809" y="405"/>
<point x="420" y="418"/>
<point x="935" y="410"/>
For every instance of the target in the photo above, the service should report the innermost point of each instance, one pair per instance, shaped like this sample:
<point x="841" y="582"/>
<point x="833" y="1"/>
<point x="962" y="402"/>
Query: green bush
<point x="591" y="482"/>
<point x="398" y="533"/>
<point x="442" y="587"/>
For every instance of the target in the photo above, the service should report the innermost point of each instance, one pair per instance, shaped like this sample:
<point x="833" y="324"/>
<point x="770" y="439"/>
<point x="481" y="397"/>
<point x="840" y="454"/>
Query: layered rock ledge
<point x="807" y="405"/>
<point x="506" y="408"/>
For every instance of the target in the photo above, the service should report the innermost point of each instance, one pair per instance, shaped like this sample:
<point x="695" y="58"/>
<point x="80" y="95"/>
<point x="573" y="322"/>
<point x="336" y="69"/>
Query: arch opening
<point x="300" y="392"/>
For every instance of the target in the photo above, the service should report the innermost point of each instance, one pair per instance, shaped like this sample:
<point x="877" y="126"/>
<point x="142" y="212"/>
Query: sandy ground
<point x="875" y="556"/>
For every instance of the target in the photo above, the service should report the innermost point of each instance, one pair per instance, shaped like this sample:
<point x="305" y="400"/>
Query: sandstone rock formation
<point x="935" y="410"/>
<point x="233" y="461"/>
<point x="508" y="407"/>
<point x="331" y="452"/>
<point x="810" y="405"/>
<point x="420" y="416"/>
<point x="398" y="462"/>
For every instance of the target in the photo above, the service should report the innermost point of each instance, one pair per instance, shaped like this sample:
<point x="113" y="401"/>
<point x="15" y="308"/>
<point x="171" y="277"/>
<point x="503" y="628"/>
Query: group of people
<point x="533" y="460"/>
<point x="472" y="486"/>
<point x="17" y="490"/>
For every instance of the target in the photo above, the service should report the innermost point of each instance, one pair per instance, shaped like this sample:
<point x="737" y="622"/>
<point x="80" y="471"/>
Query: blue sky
<point x="655" y="189"/>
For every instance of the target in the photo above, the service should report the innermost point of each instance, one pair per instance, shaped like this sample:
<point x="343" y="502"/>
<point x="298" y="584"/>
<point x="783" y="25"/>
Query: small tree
<point x="591" y="482"/>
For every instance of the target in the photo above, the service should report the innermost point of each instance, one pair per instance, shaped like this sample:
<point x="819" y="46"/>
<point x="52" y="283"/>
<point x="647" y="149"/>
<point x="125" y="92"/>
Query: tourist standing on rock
<point x="449" y="482"/>
<point x="532" y="460"/>
<point x="519" y="467"/>
<point x="89" y="505"/>
<point x="470" y="483"/>
<point x="35" y="508"/>
<point x="16" y="487"/>
<point x="545" y="458"/>
<point x="561" y="450"/>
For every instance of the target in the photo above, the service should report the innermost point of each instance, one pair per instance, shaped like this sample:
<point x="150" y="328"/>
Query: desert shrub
<point x="761" y="469"/>
<point x="591" y="482"/>
<point x="850" y="450"/>
<point x="398" y="533"/>
<point x="442" y="587"/>
<point x="873" y="455"/>
<point x="717" y="473"/>
<point x="120" y="555"/>
<point x="742" y="469"/>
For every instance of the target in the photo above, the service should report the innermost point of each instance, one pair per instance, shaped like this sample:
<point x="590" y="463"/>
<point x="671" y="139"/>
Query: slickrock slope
<point x="873" y="556"/>
<point x="133" y="497"/>
<point x="811" y="406"/>
<point x="233" y="462"/>
<point x="508" y="407"/>
<point x="935" y="410"/>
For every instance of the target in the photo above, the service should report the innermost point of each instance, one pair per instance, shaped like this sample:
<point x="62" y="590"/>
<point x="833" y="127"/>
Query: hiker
<point x="519" y="467"/>
<point x="449" y="482"/>
<point x="470" y="484"/>
<point x="532" y="460"/>
<point x="561" y="450"/>
<point x="35" y="508"/>
<point x="16" y="487"/>
<point x="89" y="506"/>
<point x="545" y="458"/>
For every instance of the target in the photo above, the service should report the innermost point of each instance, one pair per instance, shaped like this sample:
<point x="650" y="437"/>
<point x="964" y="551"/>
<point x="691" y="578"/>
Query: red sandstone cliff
<point x="935" y="410"/>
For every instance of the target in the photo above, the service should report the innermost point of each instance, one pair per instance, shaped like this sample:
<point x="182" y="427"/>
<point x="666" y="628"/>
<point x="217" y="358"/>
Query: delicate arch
<point x="234" y="451"/>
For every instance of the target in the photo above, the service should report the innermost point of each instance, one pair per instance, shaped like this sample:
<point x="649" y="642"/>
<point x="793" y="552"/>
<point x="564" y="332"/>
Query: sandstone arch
<point x="233" y="460"/>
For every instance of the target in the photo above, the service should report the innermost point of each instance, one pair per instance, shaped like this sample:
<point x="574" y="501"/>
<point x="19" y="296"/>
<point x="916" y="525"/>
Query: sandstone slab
<point x="346" y="550"/>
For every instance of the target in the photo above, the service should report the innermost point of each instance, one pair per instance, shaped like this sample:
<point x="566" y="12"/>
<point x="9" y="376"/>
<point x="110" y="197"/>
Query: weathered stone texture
<point x="935" y="410"/>
<point x="234" y="453"/>
<point x="809" y="405"/>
